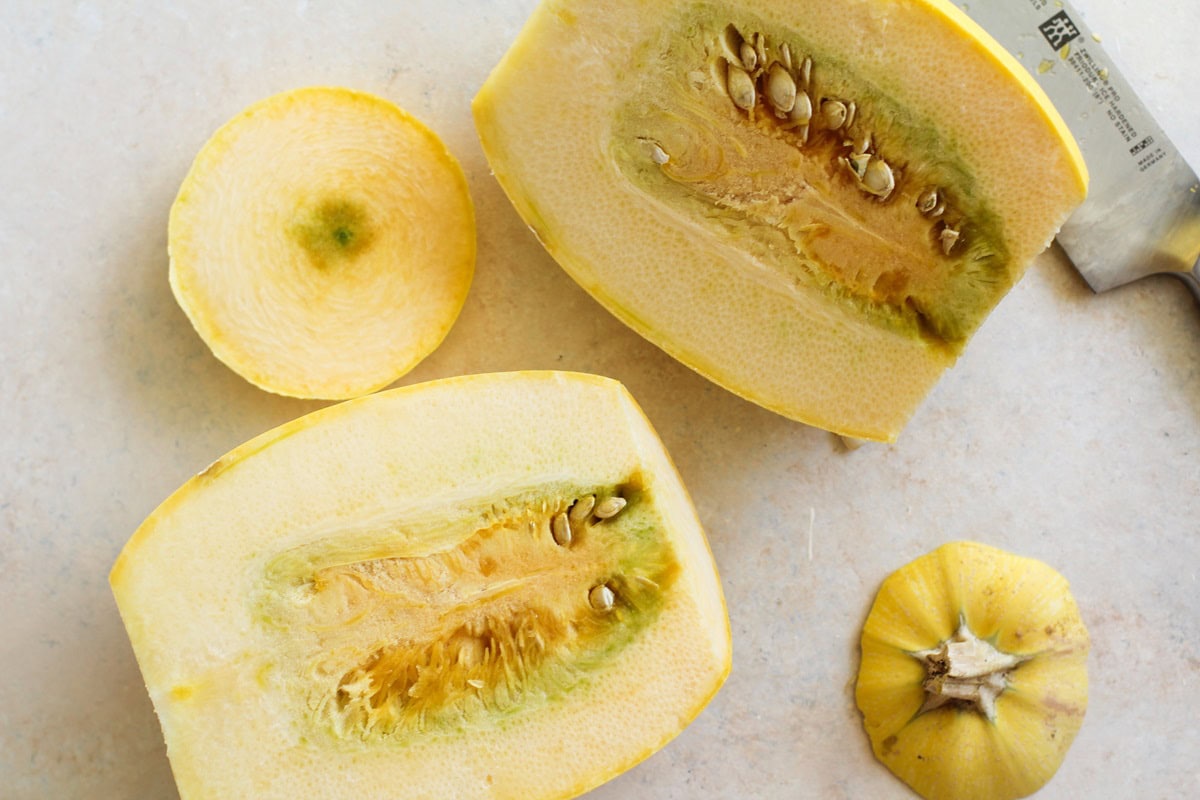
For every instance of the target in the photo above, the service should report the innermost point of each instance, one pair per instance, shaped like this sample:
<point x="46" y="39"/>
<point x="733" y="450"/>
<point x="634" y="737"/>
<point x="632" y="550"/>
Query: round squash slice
<point x="322" y="243"/>
<point x="814" y="204"/>
<point x="973" y="680"/>
<point x="484" y="587"/>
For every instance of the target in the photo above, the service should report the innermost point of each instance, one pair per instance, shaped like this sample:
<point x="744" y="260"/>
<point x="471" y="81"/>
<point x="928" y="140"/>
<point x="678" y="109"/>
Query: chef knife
<point x="1142" y="213"/>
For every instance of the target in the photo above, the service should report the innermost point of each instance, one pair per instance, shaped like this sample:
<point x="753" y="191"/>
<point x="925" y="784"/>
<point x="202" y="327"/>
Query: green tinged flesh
<point x="332" y="230"/>
<point x="787" y="201"/>
<point x="452" y="619"/>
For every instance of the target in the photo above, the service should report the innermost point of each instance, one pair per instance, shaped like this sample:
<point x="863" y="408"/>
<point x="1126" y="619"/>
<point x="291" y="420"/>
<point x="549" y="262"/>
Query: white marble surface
<point x="1069" y="431"/>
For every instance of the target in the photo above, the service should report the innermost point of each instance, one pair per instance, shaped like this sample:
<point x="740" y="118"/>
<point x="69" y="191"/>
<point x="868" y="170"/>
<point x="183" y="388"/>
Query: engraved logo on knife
<point x="1142" y="145"/>
<point x="1059" y="30"/>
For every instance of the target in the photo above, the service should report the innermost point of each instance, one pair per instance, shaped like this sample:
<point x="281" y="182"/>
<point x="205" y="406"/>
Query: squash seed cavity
<point x="826" y="181"/>
<point x="521" y="603"/>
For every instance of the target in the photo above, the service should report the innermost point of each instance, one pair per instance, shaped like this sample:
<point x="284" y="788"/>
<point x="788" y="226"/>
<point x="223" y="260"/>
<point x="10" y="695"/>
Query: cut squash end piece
<point x="813" y="204"/>
<point x="973" y="681"/>
<point x="322" y="243"/>
<point x="423" y="589"/>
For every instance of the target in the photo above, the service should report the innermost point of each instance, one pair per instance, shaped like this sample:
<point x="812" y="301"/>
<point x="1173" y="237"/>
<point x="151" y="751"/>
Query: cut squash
<point x="973" y="680"/>
<point x="484" y="587"/>
<point x="813" y="203"/>
<point x="323" y="243"/>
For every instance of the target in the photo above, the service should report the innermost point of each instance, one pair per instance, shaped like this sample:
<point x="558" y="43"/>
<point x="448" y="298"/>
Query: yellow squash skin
<point x="355" y="530"/>
<point x="1022" y="608"/>
<point x="559" y="121"/>
<point x="322" y="243"/>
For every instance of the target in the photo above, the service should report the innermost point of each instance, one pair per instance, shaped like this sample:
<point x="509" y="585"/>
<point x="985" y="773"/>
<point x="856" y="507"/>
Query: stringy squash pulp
<point x="322" y="243"/>
<point x="484" y="587"/>
<point x="813" y="203"/>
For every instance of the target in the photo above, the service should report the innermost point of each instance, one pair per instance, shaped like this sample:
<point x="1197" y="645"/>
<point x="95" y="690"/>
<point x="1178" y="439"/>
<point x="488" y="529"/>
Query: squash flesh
<point x="323" y="243"/>
<point x="732" y="297"/>
<point x="244" y="598"/>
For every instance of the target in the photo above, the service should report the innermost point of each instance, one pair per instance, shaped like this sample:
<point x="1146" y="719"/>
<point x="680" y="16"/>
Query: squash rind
<point x="1024" y="608"/>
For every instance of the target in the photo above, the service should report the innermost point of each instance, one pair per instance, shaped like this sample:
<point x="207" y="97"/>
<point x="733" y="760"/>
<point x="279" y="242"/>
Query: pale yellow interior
<point x="322" y="243"/>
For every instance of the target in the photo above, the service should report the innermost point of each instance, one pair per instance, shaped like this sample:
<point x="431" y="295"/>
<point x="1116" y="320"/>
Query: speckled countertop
<point x="1069" y="431"/>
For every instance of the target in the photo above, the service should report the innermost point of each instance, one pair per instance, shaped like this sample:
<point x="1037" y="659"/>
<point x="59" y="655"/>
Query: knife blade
<point x="1142" y="213"/>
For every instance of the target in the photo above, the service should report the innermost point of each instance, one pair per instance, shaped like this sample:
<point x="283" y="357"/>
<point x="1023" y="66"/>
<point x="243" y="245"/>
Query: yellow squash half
<point x="813" y="203"/>
<point x="485" y="587"/>
<point x="973" y="680"/>
<point x="322" y="243"/>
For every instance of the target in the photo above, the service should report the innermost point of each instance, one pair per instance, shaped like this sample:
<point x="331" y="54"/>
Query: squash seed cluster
<point x="757" y="75"/>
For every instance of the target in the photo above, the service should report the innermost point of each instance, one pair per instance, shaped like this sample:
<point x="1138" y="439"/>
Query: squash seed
<point x="785" y="55"/>
<point x="470" y="651"/>
<point x="878" y="178"/>
<point x="748" y="57"/>
<point x="929" y="200"/>
<point x="873" y="175"/>
<point x="806" y="73"/>
<point x="857" y="164"/>
<point x="780" y="90"/>
<point x="609" y="507"/>
<point x="560" y="529"/>
<point x="833" y="114"/>
<point x="802" y="110"/>
<point x="948" y="237"/>
<point x="601" y="598"/>
<point x="741" y="88"/>
<point x="582" y="508"/>
<point x="654" y="150"/>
